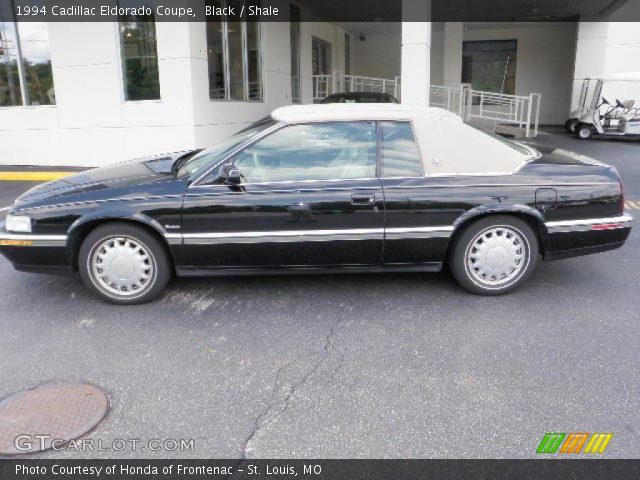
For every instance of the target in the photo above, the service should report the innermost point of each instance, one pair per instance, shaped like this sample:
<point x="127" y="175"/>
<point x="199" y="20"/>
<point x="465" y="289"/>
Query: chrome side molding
<point x="444" y="231"/>
<point x="285" y="236"/>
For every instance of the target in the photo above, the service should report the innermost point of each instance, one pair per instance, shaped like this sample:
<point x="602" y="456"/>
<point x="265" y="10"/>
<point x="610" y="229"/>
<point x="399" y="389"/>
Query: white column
<point x="591" y="52"/>
<point x="416" y="52"/>
<point x="453" y="32"/>
<point x="623" y="43"/>
<point x="608" y="45"/>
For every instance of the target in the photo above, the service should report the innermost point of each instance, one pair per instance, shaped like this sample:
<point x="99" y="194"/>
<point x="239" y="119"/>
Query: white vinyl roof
<point x="447" y="145"/>
<point x="355" y="111"/>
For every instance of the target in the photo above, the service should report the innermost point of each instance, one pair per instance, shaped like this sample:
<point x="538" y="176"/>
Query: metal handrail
<point x="518" y="110"/>
<point x="326" y="84"/>
<point x="472" y="105"/>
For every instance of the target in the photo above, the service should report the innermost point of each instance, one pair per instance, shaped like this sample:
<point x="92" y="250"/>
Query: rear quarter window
<point x="450" y="147"/>
<point x="399" y="151"/>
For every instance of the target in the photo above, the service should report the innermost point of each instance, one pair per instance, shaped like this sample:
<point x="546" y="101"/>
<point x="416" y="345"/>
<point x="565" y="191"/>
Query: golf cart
<point x="588" y="86"/>
<point x="619" y="120"/>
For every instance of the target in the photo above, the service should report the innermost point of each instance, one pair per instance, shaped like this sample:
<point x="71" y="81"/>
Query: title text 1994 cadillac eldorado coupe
<point x="324" y="188"/>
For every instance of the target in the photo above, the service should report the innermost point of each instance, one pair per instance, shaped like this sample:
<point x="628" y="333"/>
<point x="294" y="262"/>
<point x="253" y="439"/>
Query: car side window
<point x="399" y="150"/>
<point x="319" y="151"/>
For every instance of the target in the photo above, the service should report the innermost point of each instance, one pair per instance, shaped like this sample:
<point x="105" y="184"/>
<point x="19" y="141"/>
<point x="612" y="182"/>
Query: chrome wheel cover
<point x="122" y="266"/>
<point x="497" y="256"/>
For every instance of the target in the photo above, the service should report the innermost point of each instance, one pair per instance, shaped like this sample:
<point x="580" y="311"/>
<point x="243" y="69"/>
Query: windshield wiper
<point x="181" y="160"/>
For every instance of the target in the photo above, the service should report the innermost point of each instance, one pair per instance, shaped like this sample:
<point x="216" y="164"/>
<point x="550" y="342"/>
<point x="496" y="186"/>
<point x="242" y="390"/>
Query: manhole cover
<point x="34" y="419"/>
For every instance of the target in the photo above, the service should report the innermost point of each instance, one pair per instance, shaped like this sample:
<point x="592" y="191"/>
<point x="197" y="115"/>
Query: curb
<point x="32" y="176"/>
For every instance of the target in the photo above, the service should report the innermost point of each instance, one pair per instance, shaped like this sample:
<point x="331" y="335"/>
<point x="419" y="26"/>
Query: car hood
<point x="120" y="178"/>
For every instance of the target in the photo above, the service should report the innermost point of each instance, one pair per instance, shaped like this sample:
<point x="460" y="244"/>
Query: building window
<point x="294" y="37"/>
<point x="216" y="56"/>
<point x="254" y="65"/>
<point x="347" y="54"/>
<point x="320" y="56"/>
<point x="234" y="54"/>
<point x="26" y="76"/>
<point x="139" y="50"/>
<point x="490" y="65"/>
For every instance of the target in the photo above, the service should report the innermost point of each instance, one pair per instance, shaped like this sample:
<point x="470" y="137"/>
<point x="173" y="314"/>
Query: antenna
<point x="504" y="80"/>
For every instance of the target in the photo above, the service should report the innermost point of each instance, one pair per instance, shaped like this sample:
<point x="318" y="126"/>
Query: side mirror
<point x="229" y="174"/>
<point x="233" y="176"/>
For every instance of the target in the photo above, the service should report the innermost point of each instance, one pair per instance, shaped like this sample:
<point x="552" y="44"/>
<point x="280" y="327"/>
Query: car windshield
<point x="210" y="155"/>
<point x="518" y="147"/>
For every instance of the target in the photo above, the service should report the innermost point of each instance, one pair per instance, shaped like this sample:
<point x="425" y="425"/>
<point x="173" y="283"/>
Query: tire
<point x="116" y="250"/>
<point x="570" y="125"/>
<point x="584" y="131"/>
<point x="511" y="257"/>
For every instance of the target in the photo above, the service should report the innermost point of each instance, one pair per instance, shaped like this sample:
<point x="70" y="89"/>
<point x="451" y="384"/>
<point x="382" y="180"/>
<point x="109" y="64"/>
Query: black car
<point x="324" y="188"/>
<point x="360" y="97"/>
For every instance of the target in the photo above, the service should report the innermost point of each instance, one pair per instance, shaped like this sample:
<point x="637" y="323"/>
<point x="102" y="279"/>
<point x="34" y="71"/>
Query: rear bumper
<point x="35" y="253"/>
<point x="583" y="237"/>
<point x="590" y="224"/>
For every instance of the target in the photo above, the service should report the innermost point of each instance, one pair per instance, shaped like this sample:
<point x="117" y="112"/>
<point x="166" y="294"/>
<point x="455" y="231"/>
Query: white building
<point x="88" y="94"/>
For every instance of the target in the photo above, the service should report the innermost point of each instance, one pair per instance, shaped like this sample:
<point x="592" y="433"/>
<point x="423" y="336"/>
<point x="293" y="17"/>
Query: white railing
<point x="324" y="85"/>
<point x="449" y="98"/>
<point x="489" y="109"/>
<point x="354" y="83"/>
<point x="486" y="108"/>
<point x="515" y="110"/>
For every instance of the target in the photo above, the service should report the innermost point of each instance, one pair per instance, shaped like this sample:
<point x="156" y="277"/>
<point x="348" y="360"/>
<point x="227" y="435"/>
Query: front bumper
<point x="31" y="252"/>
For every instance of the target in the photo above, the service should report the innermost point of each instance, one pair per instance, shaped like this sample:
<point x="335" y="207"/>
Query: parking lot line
<point x="33" y="176"/>
<point x="632" y="205"/>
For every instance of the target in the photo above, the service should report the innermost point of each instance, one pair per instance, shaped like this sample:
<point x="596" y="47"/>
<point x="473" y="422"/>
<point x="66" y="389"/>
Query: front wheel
<point x="584" y="131"/>
<point x="494" y="255"/>
<point x="124" y="264"/>
<point x="570" y="125"/>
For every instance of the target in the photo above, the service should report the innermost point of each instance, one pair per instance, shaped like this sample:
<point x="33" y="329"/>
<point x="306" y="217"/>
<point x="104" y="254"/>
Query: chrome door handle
<point x="302" y="207"/>
<point x="363" y="199"/>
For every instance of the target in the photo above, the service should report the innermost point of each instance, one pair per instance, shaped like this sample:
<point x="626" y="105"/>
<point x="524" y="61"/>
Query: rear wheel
<point x="124" y="264"/>
<point x="570" y="125"/>
<point x="584" y="131"/>
<point x="494" y="255"/>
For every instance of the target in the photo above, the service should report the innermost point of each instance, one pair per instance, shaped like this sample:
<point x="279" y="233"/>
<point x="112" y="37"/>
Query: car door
<point x="418" y="217"/>
<point x="308" y="197"/>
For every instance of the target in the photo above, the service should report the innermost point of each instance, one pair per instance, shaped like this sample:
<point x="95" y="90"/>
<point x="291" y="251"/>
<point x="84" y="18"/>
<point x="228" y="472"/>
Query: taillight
<point x="606" y="226"/>
<point x="621" y="195"/>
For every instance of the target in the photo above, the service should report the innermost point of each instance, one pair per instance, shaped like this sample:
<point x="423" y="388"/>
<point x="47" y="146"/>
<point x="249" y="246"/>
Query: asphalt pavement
<point x="366" y="366"/>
